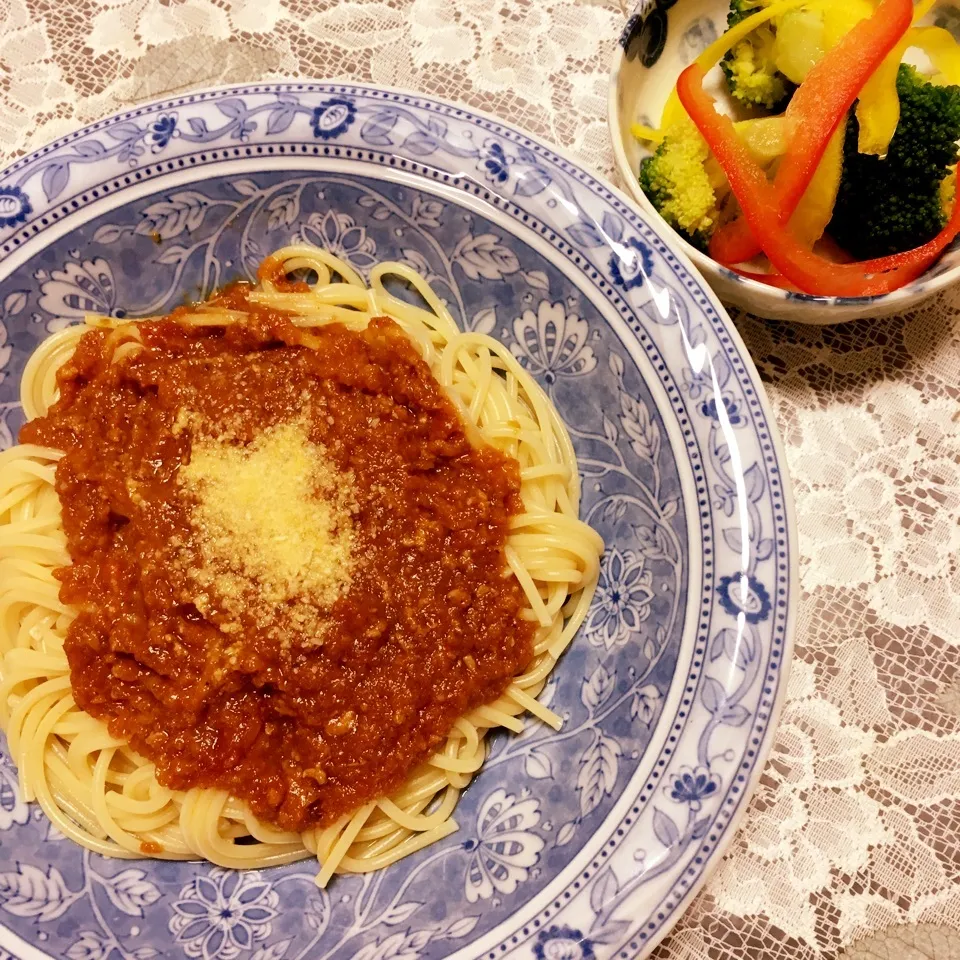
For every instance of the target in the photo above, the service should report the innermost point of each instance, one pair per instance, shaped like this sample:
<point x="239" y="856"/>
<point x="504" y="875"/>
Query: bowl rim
<point x="705" y="264"/>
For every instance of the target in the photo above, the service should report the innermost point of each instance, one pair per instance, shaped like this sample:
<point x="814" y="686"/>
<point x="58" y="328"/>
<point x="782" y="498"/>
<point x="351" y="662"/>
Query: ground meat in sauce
<point x="428" y="629"/>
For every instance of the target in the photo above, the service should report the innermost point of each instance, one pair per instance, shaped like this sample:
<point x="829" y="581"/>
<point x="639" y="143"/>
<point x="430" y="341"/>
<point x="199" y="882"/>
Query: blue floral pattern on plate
<point x="580" y="843"/>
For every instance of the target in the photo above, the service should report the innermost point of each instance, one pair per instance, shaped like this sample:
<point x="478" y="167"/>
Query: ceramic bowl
<point x="662" y="37"/>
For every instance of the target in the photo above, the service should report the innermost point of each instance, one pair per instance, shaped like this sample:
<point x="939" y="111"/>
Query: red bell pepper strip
<point x="760" y="204"/>
<point x="820" y="103"/>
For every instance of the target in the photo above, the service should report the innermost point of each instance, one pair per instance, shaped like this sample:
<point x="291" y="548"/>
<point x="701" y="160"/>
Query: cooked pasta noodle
<point x="95" y="789"/>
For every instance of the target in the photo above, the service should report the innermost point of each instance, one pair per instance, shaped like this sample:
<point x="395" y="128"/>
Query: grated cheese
<point x="273" y="526"/>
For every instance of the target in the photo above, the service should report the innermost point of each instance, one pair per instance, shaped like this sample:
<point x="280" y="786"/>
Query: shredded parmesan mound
<point x="273" y="525"/>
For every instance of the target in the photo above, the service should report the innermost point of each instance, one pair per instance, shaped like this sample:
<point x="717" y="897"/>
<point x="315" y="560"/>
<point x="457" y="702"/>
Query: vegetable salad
<point x="840" y="180"/>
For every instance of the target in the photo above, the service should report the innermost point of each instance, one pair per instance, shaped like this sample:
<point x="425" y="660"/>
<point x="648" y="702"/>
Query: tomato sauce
<point x="428" y="628"/>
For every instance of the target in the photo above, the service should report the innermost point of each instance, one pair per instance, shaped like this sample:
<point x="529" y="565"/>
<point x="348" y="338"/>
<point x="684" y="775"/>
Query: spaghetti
<point x="93" y="785"/>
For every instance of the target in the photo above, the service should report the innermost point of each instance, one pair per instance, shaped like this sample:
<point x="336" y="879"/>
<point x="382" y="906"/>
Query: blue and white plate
<point x="586" y="843"/>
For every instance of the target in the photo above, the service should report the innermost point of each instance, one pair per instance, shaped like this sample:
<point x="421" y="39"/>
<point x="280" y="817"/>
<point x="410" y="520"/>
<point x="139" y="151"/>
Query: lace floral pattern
<point x="855" y="825"/>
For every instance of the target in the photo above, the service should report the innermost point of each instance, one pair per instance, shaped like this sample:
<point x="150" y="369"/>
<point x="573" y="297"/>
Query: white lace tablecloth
<point x="852" y="843"/>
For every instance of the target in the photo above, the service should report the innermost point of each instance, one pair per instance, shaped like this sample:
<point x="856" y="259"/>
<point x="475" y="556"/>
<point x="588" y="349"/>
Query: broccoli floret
<point x="740" y="10"/>
<point x="895" y="203"/>
<point x="752" y="75"/>
<point x="678" y="183"/>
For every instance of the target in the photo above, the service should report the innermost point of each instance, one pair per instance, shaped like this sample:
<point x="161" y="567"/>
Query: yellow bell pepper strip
<point x="645" y="134"/>
<point x="939" y="45"/>
<point x="840" y="18"/>
<point x="815" y="209"/>
<point x="878" y="111"/>
<point x="948" y="189"/>
<point x="818" y="106"/>
<point x="761" y="205"/>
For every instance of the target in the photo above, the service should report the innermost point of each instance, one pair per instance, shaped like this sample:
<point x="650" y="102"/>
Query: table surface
<point x="852" y="842"/>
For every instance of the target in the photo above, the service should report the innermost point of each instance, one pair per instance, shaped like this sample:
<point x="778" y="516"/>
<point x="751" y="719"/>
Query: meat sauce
<point x="428" y="628"/>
